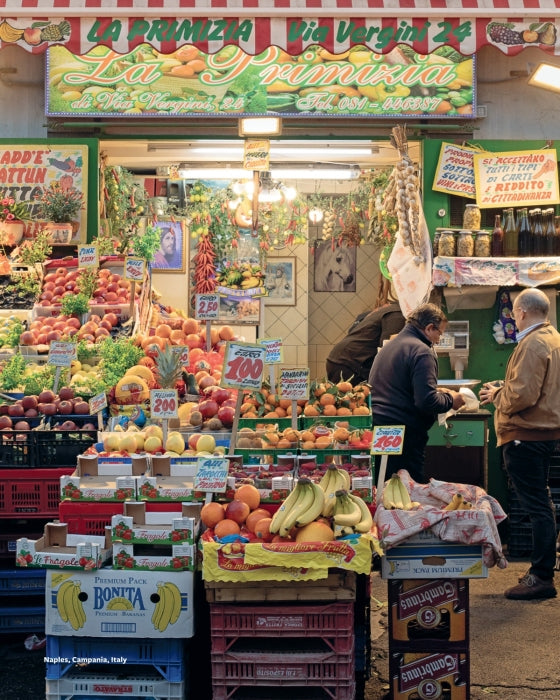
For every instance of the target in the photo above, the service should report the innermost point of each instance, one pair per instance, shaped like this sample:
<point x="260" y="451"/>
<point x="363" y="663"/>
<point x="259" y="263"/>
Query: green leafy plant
<point x="87" y="281"/>
<point x="58" y="204"/>
<point x="146" y="242"/>
<point x="12" y="337"/>
<point x="75" y="304"/>
<point x="34" y="251"/>
<point x="116" y="357"/>
<point x="25" y="285"/>
<point x="11" y="374"/>
<point x="40" y="380"/>
<point x="124" y="204"/>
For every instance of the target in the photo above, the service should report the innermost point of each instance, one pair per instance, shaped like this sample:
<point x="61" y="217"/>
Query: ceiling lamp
<point x="546" y="76"/>
<point x="315" y="215"/>
<point x="260" y="126"/>
<point x="307" y="173"/>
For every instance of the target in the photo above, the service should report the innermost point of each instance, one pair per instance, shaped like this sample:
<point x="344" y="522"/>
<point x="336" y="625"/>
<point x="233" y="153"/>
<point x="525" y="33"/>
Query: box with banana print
<point x="128" y="604"/>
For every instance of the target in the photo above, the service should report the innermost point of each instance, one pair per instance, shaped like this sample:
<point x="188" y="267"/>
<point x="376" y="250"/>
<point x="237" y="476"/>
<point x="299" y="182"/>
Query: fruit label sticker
<point x="243" y="364"/>
<point x="212" y="474"/>
<point x="61" y="354"/>
<point x="294" y="383"/>
<point x="98" y="403"/>
<point x="164" y="403"/>
<point x="183" y="352"/>
<point x="88" y="256"/>
<point x="274" y="354"/>
<point x="134" y="269"/>
<point x="387" y="440"/>
<point x="207" y="306"/>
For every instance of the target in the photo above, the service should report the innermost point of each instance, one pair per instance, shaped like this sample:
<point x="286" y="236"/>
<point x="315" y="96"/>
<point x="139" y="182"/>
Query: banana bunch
<point x="69" y="605"/>
<point x="9" y="34"/>
<point x="333" y="480"/>
<point x="303" y="505"/>
<point x="458" y="503"/>
<point x="351" y="513"/>
<point x="168" y="608"/>
<point x="395" y="495"/>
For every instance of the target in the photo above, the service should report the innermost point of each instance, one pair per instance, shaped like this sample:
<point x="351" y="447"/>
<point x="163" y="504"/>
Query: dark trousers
<point x="527" y="464"/>
<point x="413" y="453"/>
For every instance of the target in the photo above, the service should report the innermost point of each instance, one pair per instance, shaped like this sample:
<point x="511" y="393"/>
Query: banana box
<point x="126" y="604"/>
<point x="433" y="559"/>
<point x="138" y="526"/>
<point x="58" y="549"/>
<point x="97" y="480"/>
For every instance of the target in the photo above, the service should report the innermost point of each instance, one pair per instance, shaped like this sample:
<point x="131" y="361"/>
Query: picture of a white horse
<point x="335" y="267"/>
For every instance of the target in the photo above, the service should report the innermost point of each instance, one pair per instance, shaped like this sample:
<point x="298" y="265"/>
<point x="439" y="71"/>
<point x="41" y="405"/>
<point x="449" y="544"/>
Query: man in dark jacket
<point x="351" y="358"/>
<point x="404" y="388"/>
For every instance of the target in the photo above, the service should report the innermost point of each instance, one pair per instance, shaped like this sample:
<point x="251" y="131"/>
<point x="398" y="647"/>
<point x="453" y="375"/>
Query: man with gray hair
<point x="527" y="422"/>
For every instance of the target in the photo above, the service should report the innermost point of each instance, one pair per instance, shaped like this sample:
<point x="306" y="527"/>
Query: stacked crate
<point x="288" y="639"/>
<point x="22" y="601"/>
<point x="429" y="638"/>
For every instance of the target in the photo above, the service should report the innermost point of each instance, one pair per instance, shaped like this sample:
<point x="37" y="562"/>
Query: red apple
<point x="47" y="409"/>
<point x="22" y="425"/>
<point x="66" y="393"/>
<point x="29" y="402"/>
<point x="193" y="439"/>
<point x="208" y="408"/>
<point x="16" y="410"/>
<point x="219" y="395"/>
<point x="32" y="36"/>
<point x="81" y="408"/>
<point x="226" y="415"/>
<point x="237" y="511"/>
<point x="88" y="426"/>
<point x="5" y="422"/>
<point x="68" y="425"/>
<point x="31" y="413"/>
<point x="46" y="396"/>
<point x="65" y="407"/>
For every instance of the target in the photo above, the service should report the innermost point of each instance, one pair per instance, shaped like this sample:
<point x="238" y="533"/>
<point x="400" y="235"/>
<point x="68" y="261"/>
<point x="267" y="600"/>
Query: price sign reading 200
<point x="163" y="403"/>
<point x="244" y="365"/>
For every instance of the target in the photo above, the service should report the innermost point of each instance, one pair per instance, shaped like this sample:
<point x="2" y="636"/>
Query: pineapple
<point x="169" y="367"/>
<point x="55" y="32"/>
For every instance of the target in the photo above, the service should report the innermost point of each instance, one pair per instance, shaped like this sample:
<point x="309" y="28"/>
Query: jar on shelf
<point x="447" y="245"/>
<point x="465" y="244"/>
<point x="471" y="217"/>
<point x="482" y="244"/>
<point x="435" y="244"/>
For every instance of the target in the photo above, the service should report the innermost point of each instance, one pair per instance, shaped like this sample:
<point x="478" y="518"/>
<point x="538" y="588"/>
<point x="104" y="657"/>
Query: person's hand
<point x="458" y="400"/>
<point x="488" y="393"/>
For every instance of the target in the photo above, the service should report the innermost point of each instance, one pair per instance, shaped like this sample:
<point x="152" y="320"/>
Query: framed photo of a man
<point x="280" y="282"/>
<point x="171" y="254"/>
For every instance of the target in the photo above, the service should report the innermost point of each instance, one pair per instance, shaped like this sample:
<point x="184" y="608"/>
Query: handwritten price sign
<point x="164" y="403"/>
<point x="211" y="474"/>
<point x="134" y="269"/>
<point x="61" y="354"/>
<point x="98" y="403"/>
<point x="387" y="440"/>
<point x="88" y="256"/>
<point x="243" y="366"/>
<point x="273" y="347"/>
<point x="294" y="383"/>
<point x="207" y="306"/>
<point x="183" y="352"/>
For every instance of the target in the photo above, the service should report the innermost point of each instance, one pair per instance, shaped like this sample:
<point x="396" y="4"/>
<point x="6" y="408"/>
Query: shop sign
<point x="212" y="474"/>
<point x="61" y="354"/>
<point x="231" y="82"/>
<point x="164" y="403"/>
<point x="27" y="169"/>
<point x="455" y="171"/>
<point x="207" y="307"/>
<point x="516" y="178"/>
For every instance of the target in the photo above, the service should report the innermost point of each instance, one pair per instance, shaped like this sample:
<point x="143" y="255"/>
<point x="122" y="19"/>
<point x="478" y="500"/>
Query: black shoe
<point x="531" y="587"/>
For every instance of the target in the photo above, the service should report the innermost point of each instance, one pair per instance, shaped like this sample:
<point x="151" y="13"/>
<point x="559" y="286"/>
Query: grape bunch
<point x="503" y="34"/>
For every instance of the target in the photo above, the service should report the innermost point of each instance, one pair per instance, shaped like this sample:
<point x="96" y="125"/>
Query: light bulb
<point x="315" y="215"/>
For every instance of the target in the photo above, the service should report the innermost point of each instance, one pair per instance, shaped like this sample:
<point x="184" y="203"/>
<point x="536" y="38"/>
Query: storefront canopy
<point x="293" y="25"/>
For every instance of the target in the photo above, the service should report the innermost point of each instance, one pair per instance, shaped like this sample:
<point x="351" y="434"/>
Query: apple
<point x="81" y="408"/>
<point x="208" y="408"/>
<point x="32" y="36"/>
<point x="68" y="425"/>
<point x="205" y="443"/>
<point x="5" y="422"/>
<point x="237" y="511"/>
<point x="193" y="439"/>
<point x="66" y="393"/>
<point x="47" y="409"/>
<point x="88" y="426"/>
<point x="29" y="402"/>
<point x="31" y="413"/>
<point x="46" y="396"/>
<point x="219" y="395"/>
<point x="65" y="407"/>
<point x="3" y="409"/>
<point x="22" y="425"/>
<point x="226" y="414"/>
<point x="16" y="410"/>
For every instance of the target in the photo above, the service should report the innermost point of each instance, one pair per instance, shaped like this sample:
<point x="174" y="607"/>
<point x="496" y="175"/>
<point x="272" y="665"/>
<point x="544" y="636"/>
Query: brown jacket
<point x="528" y="406"/>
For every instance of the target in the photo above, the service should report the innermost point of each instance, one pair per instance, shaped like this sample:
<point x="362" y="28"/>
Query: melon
<point x="316" y="531"/>
<point x="143" y="372"/>
<point x="131" y="390"/>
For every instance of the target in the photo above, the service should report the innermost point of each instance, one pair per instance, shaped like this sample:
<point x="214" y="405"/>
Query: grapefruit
<point x="226" y="527"/>
<point x="249" y="494"/>
<point x="212" y="513"/>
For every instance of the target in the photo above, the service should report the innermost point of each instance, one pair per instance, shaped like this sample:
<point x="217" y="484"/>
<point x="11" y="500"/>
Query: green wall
<point x="487" y="359"/>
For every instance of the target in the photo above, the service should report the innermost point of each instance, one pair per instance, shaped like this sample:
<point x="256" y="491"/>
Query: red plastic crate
<point x="334" y="690"/>
<point x="33" y="492"/>
<point x="330" y="625"/>
<point x="92" y="518"/>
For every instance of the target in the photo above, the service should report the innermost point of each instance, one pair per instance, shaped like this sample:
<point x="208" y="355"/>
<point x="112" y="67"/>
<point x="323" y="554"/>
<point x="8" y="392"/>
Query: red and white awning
<point x="293" y="25"/>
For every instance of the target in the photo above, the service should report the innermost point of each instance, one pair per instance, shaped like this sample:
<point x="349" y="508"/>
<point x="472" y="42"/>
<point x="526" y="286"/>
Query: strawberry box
<point x="58" y="549"/>
<point x="274" y="481"/>
<point x="170" y="479"/>
<point x="138" y="526"/>
<point x="97" y="480"/>
<point x="177" y="557"/>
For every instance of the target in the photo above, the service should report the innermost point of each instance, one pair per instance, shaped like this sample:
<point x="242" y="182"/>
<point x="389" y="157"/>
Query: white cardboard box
<point x="129" y="604"/>
<point x="433" y="559"/>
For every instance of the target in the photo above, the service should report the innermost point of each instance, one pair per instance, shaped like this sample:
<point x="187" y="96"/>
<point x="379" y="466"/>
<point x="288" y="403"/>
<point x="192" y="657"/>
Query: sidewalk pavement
<point x="513" y="644"/>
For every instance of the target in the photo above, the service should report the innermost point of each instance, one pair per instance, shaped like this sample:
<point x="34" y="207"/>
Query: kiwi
<point x="214" y="424"/>
<point x="196" y="418"/>
<point x="244" y="443"/>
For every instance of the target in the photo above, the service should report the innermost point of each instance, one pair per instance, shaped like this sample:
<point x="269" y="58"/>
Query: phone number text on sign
<point x="207" y="306"/>
<point x="243" y="366"/>
<point x="387" y="440"/>
<point x="163" y="403"/>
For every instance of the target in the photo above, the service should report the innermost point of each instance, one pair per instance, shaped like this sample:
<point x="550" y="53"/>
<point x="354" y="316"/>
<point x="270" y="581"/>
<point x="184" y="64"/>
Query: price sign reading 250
<point x="243" y="366"/>
<point x="164" y="403"/>
<point x="207" y="306"/>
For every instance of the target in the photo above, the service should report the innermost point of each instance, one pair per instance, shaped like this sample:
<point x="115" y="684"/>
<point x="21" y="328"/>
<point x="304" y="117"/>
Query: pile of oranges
<point x="241" y="516"/>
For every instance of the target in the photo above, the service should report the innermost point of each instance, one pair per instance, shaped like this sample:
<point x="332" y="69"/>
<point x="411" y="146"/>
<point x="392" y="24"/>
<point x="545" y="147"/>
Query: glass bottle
<point x="497" y="238"/>
<point x="465" y="244"/>
<point x="549" y="232"/>
<point x="510" y="235"/>
<point x="482" y="244"/>
<point x="538" y="234"/>
<point x="471" y="217"/>
<point x="524" y="235"/>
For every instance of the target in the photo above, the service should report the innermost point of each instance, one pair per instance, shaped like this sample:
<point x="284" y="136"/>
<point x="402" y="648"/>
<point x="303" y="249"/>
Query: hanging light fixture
<point x="315" y="215"/>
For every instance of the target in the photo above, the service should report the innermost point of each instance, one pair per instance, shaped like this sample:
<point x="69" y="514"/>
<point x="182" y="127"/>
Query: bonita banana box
<point x="108" y="603"/>
<point x="433" y="559"/>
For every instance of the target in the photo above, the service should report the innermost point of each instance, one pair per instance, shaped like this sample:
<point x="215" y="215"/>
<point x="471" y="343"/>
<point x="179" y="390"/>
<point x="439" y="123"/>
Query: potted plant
<point x="59" y="207"/>
<point x="12" y="216"/>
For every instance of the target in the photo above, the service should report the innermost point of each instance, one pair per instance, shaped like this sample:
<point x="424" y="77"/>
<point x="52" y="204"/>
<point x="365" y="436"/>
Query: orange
<point x="271" y="438"/>
<point x="289" y="410"/>
<point x="254" y="517"/>
<point x="249" y="494"/>
<point x="262" y="529"/>
<point x="307" y="435"/>
<point x="329" y="410"/>
<point x="341" y="434"/>
<point x="310" y="410"/>
<point x="361" y="411"/>
<point x="319" y="390"/>
<point x="272" y="399"/>
<point x="163" y="330"/>
<point x="195" y="354"/>
<point x="323" y="442"/>
<point x="343" y="411"/>
<point x="147" y="362"/>
<point x="177" y="336"/>
<point x="212" y="513"/>
<point x="226" y="333"/>
<point x="290" y="435"/>
<point x="327" y="399"/>
<point x="284" y="403"/>
<point x="344" y="387"/>
<point x="283" y="444"/>
<point x="226" y="527"/>
<point x="281" y="412"/>
<point x="308" y="445"/>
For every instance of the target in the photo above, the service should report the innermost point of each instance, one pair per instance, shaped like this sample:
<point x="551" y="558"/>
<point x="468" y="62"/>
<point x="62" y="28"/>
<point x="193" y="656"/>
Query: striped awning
<point x="293" y="25"/>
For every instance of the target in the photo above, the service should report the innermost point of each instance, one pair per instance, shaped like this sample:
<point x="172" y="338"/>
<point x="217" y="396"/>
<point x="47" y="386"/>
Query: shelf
<point x="509" y="272"/>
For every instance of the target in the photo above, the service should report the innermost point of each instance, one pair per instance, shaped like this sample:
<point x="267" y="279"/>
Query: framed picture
<point x="335" y="267"/>
<point x="171" y="254"/>
<point x="280" y="281"/>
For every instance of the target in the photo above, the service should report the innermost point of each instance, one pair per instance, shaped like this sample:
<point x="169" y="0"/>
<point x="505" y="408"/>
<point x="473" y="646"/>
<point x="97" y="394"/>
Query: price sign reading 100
<point x="243" y="366"/>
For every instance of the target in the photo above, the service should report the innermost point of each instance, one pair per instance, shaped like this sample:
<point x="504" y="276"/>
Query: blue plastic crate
<point x="165" y="655"/>
<point x="22" y="581"/>
<point x="20" y="619"/>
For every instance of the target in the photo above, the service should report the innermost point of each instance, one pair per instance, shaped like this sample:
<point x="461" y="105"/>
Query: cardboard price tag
<point x="134" y="269"/>
<point x="294" y="383"/>
<point x="387" y="440"/>
<point x="211" y="475"/>
<point x="164" y="403"/>
<point x="243" y="366"/>
<point x="207" y="306"/>
<point x="98" y="403"/>
<point x="274" y="350"/>
<point x="88" y="256"/>
<point x="61" y="354"/>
